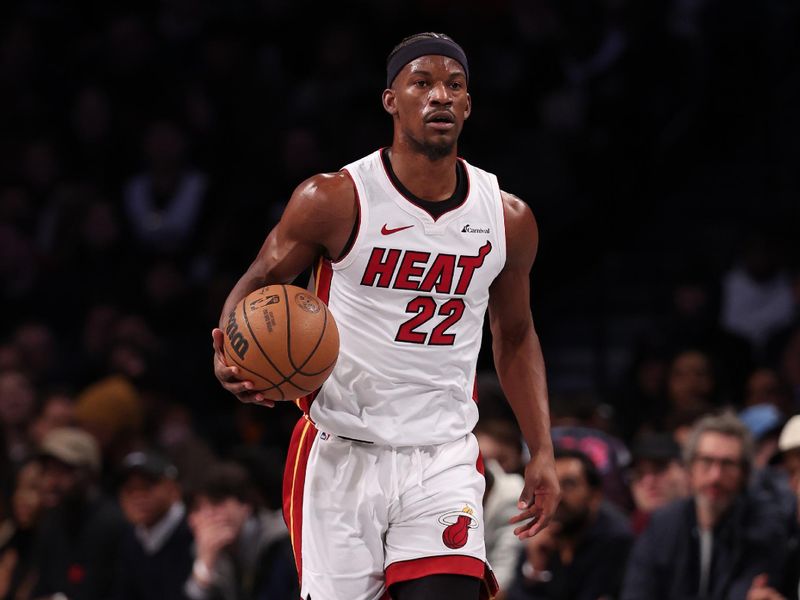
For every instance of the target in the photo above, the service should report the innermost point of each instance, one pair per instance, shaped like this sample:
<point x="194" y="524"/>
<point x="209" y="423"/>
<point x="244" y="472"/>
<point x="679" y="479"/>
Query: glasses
<point x="727" y="465"/>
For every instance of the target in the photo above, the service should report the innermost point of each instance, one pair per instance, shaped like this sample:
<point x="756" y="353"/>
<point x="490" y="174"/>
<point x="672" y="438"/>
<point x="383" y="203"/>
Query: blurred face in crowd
<point x="61" y="482"/>
<point x="764" y="387"/>
<point x="579" y="501"/>
<point x="58" y="411"/>
<point x="492" y="448"/>
<point x="690" y="381"/>
<point x="229" y="512"/>
<point x="146" y="500"/>
<point x="656" y="483"/>
<point x="17" y="399"/>
<point x="717" y="473"/>
<point x="26" y="500"/>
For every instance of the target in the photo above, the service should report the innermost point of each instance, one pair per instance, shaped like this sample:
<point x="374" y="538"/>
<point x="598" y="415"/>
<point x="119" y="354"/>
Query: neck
<point x="425" y="178"/>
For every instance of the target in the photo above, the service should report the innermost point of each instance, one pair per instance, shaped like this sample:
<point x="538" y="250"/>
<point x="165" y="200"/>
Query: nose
<point x="440" y="94"/>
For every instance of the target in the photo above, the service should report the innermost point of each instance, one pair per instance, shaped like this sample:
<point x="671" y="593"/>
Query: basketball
<point x="284" y="340"/>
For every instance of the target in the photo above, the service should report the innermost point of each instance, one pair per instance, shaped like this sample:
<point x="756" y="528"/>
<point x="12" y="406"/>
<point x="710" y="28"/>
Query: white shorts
<point x="363" y="517"/>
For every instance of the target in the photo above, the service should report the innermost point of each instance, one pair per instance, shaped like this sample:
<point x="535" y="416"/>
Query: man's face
<point x="430" y="101"/>
<point x="657" y="483"/>
<point x="716" y="475"/>
<point x="144" y="500"/>
<point x="60" y="482"/>
<point x="579" y="502"/>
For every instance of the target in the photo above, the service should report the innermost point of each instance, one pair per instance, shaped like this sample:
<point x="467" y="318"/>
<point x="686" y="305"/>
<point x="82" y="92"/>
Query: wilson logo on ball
<point x="457" y="525"/>
<point x="237" y="341"/>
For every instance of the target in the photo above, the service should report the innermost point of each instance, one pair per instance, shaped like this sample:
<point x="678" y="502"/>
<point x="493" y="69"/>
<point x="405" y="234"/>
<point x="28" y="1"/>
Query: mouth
<point x="441" y="120"/>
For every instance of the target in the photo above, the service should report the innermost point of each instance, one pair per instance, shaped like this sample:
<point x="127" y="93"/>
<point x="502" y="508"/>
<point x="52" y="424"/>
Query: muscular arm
<point x="318" y="219"/>
<point x="520" y="366"/>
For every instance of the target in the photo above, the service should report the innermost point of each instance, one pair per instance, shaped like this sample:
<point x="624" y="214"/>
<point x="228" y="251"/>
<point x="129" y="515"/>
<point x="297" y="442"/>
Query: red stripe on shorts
<point x="294" y="478"/>
<point x="406" y="570"/>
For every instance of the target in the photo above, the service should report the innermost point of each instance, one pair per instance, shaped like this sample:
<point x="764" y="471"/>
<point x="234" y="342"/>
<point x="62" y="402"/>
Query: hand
<point x="760" y="590"/>
<point x="212" y="532"/>
<point x="539" y="497"/>
<point x="230" y="377"/>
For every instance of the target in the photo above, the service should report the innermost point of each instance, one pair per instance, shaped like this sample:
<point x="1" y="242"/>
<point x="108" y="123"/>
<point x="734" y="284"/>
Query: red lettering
<point x="468" y="265"/>
<point x="440" y="275"/>
<point x="382" y="264"/>
<point x="408" y="269"/>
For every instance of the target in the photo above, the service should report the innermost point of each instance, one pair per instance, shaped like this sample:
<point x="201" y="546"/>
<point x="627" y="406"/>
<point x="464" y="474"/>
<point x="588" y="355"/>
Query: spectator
<point x="232" y="543"/>
<point x="657" y="476"/>
<point x="788" y="457"/>
<point x="499" y="505"/>
<point x="501" y="440"/>
<point x="76" y="547"/>
<point x="155" y="556"/>
<point x="581" y="554"/>
<point x="713" y="544"/>
<point x="17" y="533"/>
<point x="17" y="406"/>
<point x="57" y="409"/>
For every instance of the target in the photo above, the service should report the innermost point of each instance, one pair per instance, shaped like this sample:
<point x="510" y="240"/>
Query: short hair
<point x="407" y="41"/>
<point x="590" y="470"/>
<point x="724" y="423"/>
<point x="222" y="481"/>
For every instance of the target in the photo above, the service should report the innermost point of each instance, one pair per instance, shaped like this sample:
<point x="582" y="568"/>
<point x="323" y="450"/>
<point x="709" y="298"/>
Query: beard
<point x="431" y="150"/>
<point x="573" y="521"/>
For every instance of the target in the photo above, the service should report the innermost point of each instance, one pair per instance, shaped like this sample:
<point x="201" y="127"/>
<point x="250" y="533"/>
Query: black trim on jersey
<point x="353" y="233"/>
<point x="348" y="245"/>
<point x="432" y="207"/>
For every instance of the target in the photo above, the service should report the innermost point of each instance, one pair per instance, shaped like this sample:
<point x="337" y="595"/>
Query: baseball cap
<point x="149" y="463"/>
<point x="761" y="419"/>
<point x="655" y="446"/>
<point x="72" y="446"/>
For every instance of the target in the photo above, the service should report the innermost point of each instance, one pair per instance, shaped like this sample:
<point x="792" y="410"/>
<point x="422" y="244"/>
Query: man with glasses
<point x="713" y="544"/>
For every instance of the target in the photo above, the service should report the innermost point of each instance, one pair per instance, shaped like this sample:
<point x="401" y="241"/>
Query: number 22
<point x="424" y="308"/>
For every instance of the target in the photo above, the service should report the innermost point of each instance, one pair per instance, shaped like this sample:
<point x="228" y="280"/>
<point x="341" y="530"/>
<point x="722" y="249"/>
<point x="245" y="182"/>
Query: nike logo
<point x="386" y="231"/>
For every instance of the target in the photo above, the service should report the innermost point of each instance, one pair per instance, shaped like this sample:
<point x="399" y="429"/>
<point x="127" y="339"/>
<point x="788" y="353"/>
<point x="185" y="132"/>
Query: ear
<point x="468" y="110"/>
<point x="389" y="101"/>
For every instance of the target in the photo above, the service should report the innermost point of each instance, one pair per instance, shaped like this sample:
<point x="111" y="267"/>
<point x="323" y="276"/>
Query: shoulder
<point x="326" y="190"/>
<point x="673" y="518"/>
<point x="613" y="523"/>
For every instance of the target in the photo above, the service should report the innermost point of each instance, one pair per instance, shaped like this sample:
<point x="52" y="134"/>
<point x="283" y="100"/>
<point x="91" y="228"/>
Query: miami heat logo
<point x="457" y="525"/>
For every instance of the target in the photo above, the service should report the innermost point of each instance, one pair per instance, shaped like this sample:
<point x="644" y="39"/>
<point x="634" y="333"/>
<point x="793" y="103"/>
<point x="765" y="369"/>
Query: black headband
<point x="424" y="47"/>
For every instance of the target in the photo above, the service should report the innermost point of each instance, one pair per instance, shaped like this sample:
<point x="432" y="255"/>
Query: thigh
<point x="436" y="525"/>
<point x="344" y="519"/>
<point x="436" y="587"/>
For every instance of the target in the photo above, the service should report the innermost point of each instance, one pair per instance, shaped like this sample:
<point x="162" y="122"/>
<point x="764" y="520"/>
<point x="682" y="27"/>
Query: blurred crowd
<point x="146" y="150"/>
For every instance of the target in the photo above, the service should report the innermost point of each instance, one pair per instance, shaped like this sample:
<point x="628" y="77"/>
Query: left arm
<point x="520" y="366"/>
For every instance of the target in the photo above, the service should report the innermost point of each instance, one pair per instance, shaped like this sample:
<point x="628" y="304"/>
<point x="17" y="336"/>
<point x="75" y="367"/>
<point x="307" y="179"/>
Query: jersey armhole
<point x="501" y="220"/>
<point x="346" y="257"/>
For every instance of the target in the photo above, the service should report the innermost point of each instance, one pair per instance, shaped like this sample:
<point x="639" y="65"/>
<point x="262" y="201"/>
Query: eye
<point x="456" y="85"/>
<point x="421" y="83"/>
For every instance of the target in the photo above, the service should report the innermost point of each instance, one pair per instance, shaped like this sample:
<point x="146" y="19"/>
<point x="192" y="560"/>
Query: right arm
<point x="317" y="220"/>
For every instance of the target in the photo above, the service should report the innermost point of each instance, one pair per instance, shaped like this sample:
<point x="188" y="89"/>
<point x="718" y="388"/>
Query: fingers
<point x="536" y="514"/>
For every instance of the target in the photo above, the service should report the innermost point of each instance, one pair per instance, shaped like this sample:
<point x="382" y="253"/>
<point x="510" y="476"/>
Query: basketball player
<point x="383" y="484"/>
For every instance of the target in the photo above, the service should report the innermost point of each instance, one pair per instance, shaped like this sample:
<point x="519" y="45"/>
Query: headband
<point x="424" y="47"/>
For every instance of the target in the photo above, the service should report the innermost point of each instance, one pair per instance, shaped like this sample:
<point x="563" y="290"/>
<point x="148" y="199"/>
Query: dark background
<point x="657" y="143"/>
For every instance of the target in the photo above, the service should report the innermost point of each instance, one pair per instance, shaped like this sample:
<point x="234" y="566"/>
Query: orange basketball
<point x="284" y="340"/>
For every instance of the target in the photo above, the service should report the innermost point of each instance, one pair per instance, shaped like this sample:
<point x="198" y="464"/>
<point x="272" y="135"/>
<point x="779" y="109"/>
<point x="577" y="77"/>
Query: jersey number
<point x="424" y="309"/>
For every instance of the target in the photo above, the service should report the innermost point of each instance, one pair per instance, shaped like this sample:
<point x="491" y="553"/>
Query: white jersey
<point x="409" y="299"/>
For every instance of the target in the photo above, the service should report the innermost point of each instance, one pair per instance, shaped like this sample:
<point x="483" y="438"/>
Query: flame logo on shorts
<point x="457" y="525"/>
